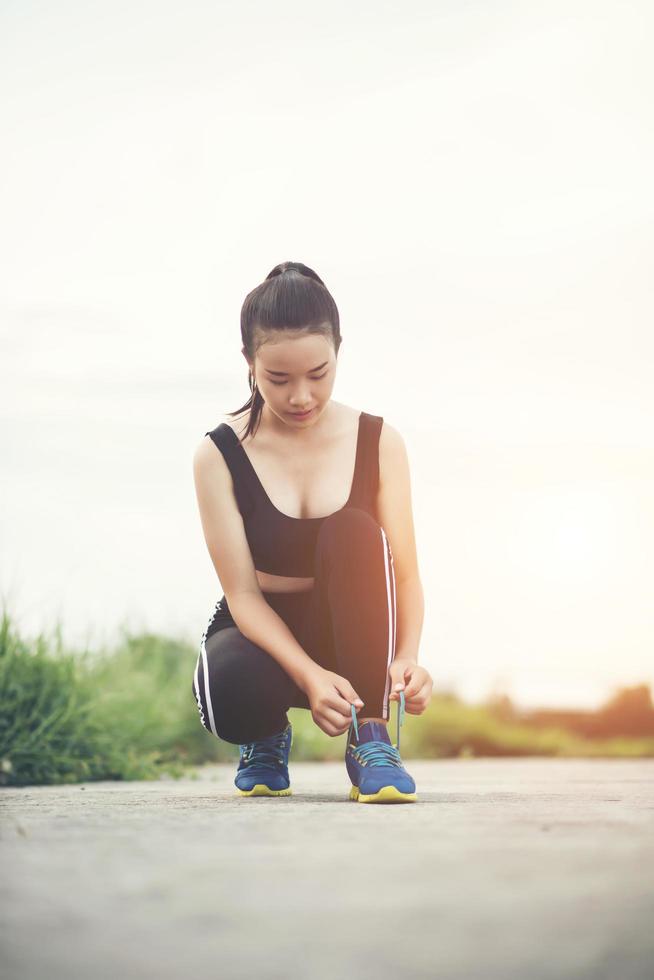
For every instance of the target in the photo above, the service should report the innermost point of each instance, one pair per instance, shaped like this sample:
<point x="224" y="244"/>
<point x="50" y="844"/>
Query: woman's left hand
<point x="416" y="683"/>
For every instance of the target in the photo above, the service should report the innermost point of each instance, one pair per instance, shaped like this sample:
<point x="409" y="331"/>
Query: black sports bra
<point x="284" y="545"/>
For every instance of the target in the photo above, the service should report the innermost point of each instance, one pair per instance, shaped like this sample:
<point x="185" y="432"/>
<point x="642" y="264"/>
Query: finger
<point x="416" y="683"/>
<point x="413" y="711"/>
<point x="346" y="691"/>
<point x="412" y="689"/>
<point x="333" y="730"/>
<point x="342" y="704"/>
<point x="398" y="673"/>
<point x="420" y="689"/>
<point x="419" y="701"/>
<point x="330" y="722"/>
<point x="337" y="718"/>
<point x="329" y="729"/>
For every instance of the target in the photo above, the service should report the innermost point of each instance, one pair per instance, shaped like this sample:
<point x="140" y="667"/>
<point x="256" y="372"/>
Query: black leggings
<point x="346" y="623"/>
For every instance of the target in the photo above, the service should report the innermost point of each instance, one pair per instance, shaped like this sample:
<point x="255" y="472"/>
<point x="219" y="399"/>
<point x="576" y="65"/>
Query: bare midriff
<point x="283" y="583"/>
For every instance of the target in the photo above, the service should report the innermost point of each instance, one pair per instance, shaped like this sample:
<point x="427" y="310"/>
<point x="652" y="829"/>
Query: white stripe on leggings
<point x="389" y="569"/>
<point x="205" y="671"/>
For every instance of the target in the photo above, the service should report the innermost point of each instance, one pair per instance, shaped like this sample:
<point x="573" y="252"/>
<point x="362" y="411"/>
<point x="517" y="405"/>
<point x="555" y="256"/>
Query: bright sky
<point x="473" y="183"/>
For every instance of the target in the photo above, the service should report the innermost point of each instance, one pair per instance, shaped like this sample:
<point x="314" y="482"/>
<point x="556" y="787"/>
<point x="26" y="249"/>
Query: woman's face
<point x="295" y="373"/>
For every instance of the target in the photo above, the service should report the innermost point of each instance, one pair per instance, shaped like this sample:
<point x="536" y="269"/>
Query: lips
<point x="301" y="415"/>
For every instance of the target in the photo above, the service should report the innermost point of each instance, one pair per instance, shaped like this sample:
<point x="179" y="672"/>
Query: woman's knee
<point x="240" y="685"/>
<point x="349" y="537"/>
<point x="345" y="526"/>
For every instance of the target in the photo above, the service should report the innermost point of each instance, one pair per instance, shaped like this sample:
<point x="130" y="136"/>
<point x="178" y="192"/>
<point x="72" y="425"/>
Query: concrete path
<point x="508" y="869"/>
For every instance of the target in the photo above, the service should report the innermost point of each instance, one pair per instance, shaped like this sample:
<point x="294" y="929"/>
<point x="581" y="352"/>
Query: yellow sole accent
<point x="387" y="794"/>
<point x="262" y="790"/>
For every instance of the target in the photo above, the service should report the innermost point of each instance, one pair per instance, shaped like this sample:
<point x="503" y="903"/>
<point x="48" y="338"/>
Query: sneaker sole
<point x="387" y="794"/>
<point x="262" y="790"/>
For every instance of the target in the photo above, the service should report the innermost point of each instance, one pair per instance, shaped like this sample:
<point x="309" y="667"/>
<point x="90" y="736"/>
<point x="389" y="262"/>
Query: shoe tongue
<point x="373" y="731"/>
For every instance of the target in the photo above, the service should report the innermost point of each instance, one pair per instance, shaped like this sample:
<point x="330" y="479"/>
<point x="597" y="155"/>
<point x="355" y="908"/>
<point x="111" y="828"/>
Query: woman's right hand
<point x="331" y="697"/>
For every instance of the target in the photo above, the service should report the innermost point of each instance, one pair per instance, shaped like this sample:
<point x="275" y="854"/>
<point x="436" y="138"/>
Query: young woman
<point x="306" y="512"/>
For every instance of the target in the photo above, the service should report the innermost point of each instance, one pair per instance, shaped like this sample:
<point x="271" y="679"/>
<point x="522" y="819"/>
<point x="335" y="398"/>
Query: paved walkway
<point x="509" y="869"/>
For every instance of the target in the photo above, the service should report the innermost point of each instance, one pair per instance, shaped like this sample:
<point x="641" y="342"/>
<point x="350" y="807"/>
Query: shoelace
<point x="380" y="753"/>
<point x="265" y="751"/>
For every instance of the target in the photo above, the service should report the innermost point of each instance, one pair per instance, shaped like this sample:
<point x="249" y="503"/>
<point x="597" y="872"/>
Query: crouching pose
<point x="299" y="507"/>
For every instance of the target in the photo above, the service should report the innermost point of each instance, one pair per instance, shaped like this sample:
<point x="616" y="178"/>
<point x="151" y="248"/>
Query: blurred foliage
<point x="629" y="712"/>
<point x="71" y="716"/>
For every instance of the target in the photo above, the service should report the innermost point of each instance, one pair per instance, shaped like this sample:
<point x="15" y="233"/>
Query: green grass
<point x="71" y="716"/>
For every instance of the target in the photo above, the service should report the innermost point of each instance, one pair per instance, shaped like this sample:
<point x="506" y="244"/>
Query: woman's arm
<point x="410" y="618"/>
<point x="259" y="622"/>
<point x="396" y="517"/>
<point x="229" y="550"/>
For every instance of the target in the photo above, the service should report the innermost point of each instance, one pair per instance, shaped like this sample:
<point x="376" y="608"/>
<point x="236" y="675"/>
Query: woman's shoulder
<point x="350" y="414"/>
<point x="392" y="449"/>
<point x="220" y="437"/>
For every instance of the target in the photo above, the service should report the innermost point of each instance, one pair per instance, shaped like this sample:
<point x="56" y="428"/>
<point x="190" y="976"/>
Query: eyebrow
<point x="310" y="371"/>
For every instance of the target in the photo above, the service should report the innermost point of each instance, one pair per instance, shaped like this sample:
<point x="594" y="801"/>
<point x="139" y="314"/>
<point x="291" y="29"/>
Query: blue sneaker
<point x="263" y="765"/>
<point x="373" y="763"/>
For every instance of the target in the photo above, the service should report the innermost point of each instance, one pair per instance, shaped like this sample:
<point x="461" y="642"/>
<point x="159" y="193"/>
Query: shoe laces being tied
<point x="377" y="753"/>
<point x="265" y="751"/>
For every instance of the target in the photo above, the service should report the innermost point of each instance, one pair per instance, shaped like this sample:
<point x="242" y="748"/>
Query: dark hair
<point x="291" y="297"/>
